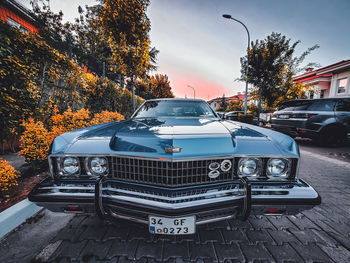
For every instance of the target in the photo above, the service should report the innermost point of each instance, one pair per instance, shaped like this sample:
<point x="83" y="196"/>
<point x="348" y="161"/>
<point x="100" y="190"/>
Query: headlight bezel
<point x="61" y="169"/>
<point x="259" y="165"/>
<point x="89" y="169"/>
<point x="285" y="174"/>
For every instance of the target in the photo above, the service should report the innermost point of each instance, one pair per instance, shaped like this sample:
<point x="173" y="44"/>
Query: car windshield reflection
<point x="175" y="108"/>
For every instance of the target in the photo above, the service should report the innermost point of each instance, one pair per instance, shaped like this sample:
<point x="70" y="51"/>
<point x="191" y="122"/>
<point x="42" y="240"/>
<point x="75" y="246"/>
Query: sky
<point x="200" y="48"/>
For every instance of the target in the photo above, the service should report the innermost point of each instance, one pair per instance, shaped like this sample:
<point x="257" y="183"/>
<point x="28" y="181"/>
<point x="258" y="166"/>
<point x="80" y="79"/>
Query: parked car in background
<point x="325" y="120"/>
<point x="172" y="166"/>
<point x="220" y="114"/>
<point x="232" y="115"/>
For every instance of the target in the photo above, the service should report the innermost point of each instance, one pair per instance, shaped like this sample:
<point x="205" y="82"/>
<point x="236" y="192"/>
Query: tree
<point x="235" y="105"/>
<point x="223" y="103"/>
<point x="127" y="26"/>
<point x="160" y="87"/>
<point x="272" y="65"/>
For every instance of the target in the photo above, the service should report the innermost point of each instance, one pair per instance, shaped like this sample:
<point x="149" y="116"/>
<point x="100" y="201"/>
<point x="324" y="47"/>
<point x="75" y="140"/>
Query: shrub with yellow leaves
<point x="35" y="143"/>
<point x="106" y="116"/>
<point x="36" y="139"/>
<point x="8" y="175"/>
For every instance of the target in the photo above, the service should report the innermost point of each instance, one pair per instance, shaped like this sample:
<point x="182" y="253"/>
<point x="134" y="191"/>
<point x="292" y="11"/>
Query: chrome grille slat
<point x="166" y="173"/>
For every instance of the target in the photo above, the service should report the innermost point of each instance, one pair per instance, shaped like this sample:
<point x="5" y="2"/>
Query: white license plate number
<point x="172" y="225"/>
<point x="283" y="116"/>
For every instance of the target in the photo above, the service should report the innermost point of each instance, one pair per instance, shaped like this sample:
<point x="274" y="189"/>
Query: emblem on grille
<point x="172" y="149"/>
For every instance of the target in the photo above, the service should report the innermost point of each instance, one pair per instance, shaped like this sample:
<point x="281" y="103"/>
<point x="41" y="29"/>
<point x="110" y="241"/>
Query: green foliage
<point x="272" y="65"/>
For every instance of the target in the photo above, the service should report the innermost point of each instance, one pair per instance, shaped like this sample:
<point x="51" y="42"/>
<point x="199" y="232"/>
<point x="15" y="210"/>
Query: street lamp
<point x="194" y="91"/>
<point x="246" y="70"/>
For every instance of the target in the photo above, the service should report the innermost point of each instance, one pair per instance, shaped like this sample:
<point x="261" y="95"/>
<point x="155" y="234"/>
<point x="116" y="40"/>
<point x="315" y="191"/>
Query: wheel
<point x="332" y="136"/>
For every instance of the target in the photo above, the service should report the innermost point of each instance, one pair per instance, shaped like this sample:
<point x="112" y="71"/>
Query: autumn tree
<point x="160" y="87"/>
<point x="272" y="65"/>
<point x="235" y="105"/>
<point x="127" y="28"/>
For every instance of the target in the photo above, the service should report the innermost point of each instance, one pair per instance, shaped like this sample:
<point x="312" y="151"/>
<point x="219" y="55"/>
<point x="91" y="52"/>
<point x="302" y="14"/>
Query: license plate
<point x="283" y="116"/>
<point x="172" y="225"/>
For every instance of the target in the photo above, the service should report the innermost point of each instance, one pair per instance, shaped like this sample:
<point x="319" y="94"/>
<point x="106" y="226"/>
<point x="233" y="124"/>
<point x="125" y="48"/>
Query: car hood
<point x="195" y="137"/>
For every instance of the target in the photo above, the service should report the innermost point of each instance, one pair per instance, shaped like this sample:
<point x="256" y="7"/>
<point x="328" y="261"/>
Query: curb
<point x="15" y="215"/>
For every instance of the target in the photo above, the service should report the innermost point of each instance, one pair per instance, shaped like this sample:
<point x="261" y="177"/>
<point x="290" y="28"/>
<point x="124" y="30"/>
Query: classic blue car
<point x="174" y="165"/>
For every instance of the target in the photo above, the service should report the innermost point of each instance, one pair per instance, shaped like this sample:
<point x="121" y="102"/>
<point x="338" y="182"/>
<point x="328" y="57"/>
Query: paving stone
<point x="139" y="232"/>
<point x="284" y="253"/>
<point x="343" y="240"/>
<point x="260" y="222"/>
<point x="176" y="251"/>
<point x="282" y="236"/>
<point x="221" y="224"/>
<point x="255" y="253"/>
<point x="69" y="250"/>
<point x="149" y="249"/>
<point x="302" y="222"/>
<point x="70" y="234"/>
<point x="307" y="236"/>
<point x="239" y="224"/>
<point x="116" y="232"/>
<point x="193" y="238"/>
<point x="226" y="252"/>
<point x="76" y="221"/>
<point x="256" y="236"/>
<point x="337" y="254"/>
<point x="213" y="235"/>
<point x="97" y="250"/>
<point x="231" y="236"/>
<point x="282" y="222"/>
<point x="93" y="233"/>
<point x="123" y="248"/>
<point x="201" y="251"/>
<point x="311" y="253"/>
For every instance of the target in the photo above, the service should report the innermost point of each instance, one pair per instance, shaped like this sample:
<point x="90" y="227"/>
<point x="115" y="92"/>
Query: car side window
<point x="322" y="105"/>
<point x="343" y="105"/>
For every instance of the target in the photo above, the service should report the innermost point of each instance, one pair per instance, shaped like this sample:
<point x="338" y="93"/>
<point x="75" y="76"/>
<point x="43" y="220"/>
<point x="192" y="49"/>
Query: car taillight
<point x="303" y="115"/>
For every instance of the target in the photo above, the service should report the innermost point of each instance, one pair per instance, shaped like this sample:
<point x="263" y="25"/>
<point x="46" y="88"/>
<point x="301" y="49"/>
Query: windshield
<point x="175" y="108"/>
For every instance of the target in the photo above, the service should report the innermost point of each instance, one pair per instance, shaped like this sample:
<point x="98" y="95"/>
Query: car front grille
<point x="166" y="173"/>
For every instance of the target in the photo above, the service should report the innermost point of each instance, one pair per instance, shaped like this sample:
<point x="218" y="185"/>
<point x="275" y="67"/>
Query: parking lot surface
<point x="318" y="235"/>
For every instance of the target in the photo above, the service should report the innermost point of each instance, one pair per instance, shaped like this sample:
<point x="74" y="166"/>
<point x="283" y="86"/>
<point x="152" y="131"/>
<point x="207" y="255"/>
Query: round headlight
<point x="71" y="165"/>
<point x="249" y="167"/>
<point x="277" y="167"/>
<point x="98" y="165"/>
<point x="226" y="165"/>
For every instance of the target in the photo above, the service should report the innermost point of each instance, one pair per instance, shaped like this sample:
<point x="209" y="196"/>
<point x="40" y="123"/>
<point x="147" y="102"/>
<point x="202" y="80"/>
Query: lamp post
<point x="246" y="70"/>
<point x="194" y="91"/>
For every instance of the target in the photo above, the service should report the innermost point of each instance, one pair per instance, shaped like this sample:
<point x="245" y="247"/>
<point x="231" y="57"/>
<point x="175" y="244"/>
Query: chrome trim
<point x="172" y="159"/>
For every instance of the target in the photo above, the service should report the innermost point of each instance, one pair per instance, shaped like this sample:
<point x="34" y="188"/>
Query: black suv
<point x="326" y="120"/>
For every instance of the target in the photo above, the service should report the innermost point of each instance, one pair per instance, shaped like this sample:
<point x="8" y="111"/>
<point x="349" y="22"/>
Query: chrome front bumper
<point x="209" y="203"/>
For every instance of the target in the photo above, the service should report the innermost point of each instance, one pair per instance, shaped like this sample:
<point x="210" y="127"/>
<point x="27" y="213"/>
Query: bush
<point x="106" y="116"/>
<point x="36" y="139"/>
<point x="35" y="143"/>
<point x="246" y="118"/>
<point x="8" y="175"/>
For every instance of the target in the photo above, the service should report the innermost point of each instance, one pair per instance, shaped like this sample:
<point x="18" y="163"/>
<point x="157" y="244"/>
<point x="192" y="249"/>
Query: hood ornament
<point x="172" y="149"/>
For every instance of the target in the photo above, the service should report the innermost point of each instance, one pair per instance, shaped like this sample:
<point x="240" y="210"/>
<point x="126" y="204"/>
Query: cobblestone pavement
<point x="318" y="235"/>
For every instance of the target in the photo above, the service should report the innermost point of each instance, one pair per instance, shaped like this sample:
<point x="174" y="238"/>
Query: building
<point x="17" y="15"/>
<point x="327" y="82"/>
<point x="215" y="103"/>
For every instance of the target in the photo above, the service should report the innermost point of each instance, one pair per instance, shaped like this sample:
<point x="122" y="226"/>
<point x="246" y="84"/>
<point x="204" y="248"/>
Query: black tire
<point x="332" y="136"/>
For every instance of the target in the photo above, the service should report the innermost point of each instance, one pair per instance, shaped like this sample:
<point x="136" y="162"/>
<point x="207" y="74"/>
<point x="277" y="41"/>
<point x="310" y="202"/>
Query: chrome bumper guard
<point x="210" y="203"/>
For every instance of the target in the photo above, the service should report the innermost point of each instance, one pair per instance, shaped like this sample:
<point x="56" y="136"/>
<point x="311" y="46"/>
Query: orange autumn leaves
<point x="8" y="175"/>
<point x="36" y="139"/>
